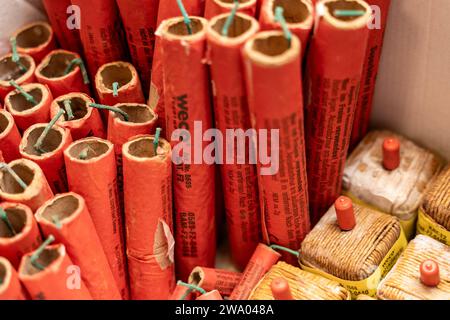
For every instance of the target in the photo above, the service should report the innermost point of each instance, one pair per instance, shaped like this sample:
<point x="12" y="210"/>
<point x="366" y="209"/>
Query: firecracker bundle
<point x="104" y="197"/>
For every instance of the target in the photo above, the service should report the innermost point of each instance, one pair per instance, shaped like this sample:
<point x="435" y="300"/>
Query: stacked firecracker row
<point x="98" y="204"/>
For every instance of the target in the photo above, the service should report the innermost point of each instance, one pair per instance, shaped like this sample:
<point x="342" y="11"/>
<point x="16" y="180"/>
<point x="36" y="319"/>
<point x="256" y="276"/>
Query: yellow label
<point x="367" y="286"/>
<point x="408" y="226"/>
<point x="427" y="226"/>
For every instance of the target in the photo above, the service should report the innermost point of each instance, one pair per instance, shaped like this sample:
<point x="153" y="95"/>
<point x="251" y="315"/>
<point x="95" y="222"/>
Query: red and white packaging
<point x="335" y="64"/>
<point x="187" y="96"/>
<point x="216" y="7"/>
<point x="231" y="112"/>
<point x="26" y="113"/>
<point x="9" y="70"/>
<point x="9" y="137"/>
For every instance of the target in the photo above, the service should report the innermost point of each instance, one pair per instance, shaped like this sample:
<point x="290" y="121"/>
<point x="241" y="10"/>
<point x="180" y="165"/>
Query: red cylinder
<point x="9" y="137"/>
<point x="38" y="190"/>
<point x="52" y="72"/>
<point x="216" y="7"/>
<point x="429" y="273"/>
<point x="280" y="289"/>
<point x="194" y="181"/>
<point x="211" y="279"/>
<point x="86" y="122"/>
<point x="26" y="113"/>
<point x="91" y="172"/>
<point x="271" y="62"/>
<point x="139" y="20"/>
<point x="60" y="279"/>
<point x="57" y="12"/>
<point x="67" y="218"/>
<point x="52" y="160"/>
<point x="370" y="71"/>
<point x="10" y="287"/>
<point x="10" y="71"/>
<point x="26" y="236"/>
<point x="101" y="33"/>
<point x="261" y="261"/>
<point x="345" y="213"/>
<point x="167" y="9"/>
<point x="239" y="180"/>
<point x="391" y="153"/>
<point x="35" y="39"/>
<point x="335" y="64"/>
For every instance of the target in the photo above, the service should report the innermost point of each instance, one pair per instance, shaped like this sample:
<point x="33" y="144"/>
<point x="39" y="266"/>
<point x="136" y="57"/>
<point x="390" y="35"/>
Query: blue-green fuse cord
<point x="156" y="140"/>
<point x="40" y="141"/>
<point x="293" y="252"/>
<point x="15" y="55"/>
<point x="279" y="17"/>
<point x="187" y="21"/>
<point x="113" y="109"/>
<point x="349" y="13"/>
<point x="68" y="108"/>
<point x="35" y="256"/>
<point x="191" y="288"/>
<point x="115" y="86"/>
<point x="19" y="181"/>
<point x="230" y="19"/>
<point x="27" y="96"/>
<point x="4" y="217"/>
<point x="80" y="63"/>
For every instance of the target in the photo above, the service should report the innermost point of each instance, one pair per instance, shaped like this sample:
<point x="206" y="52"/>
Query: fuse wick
<point x="187" y="21"/>
<point x="35" y="256"/>
<point x="281" y="248"/>
<point x="349" y="13"/>
<point x="68" y="108"/>
<point x="19" y="181"/>
<point x="156" y="140"/>
<point x="191" y="286"/>
<point x="40" y="141"/>
<point x="115" y="86"/>
<point x="4" y="217"/>
<point x="279" y="17"/>
<point x="57" y="222"/>
<point x="230" y="19"/>
<point x="78" y="62"/>
<point x="27" y="96"/>
<point x="113" y="109"/>
<point x="15" y="55"/>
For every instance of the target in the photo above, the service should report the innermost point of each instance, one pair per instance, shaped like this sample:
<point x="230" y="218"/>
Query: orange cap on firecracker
<point x="429" y="273"/>
<point x="280" y="289"/>
<point x="345" y="213"/>
<point x="391" y="153"/>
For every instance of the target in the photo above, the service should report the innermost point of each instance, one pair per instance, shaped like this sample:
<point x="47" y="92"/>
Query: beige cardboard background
<point x="413" y="89"/>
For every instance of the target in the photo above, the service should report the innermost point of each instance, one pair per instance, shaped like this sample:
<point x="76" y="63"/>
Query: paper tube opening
<point x="18" y="219"/>
<point x="4" y="123"/>
<point x="294" y="11"/>
<point x="78" y="105"/>
<point x="61" y="208"/>
<point x="230" y="3"/>
<point x="45" y="259"/>
<point x="273" y="45"/>
<point x="56" y="64"/>
<point x="93" y="148"/>
<point x="51" y="142"/>
<point x="20" y="104"/>
<point x="33" y="36"/>
<point x="144" y="148"/>
<point x="136" y="113"/>
<point x="179" y="28"/>
<point x="239" y="26"/>
<point x="9" y="185"/>
<point x="3" y="272"/>
<point x="196" y="276"/>
<point x="120" y="73"/>
<point x="344" y="5"/>
<point x="9" y="70"/>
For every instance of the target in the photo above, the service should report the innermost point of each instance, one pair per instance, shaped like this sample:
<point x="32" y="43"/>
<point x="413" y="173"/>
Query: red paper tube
<point x="129" y="86"/>
<point x="210" y="279"/>
<point x="19" y="232"/>
<point x="67" y="218"/>
<point x="167" y="9"/>
<point x="60" y="279"/>
<point x="50" y="155"/>
<point x="10" y="287"/>
<point x="101" y="33"/>
<point x="91" y="172"/>
<point x="9" y="70"/>
<point x="182" y="293"/>
<point x="335" y="64"/>
<point x="60" y="73"/>
<point x="216" y="7"/>
<point x="35" y="39"/>
<point x="186" y="84"/>
<point x="139" y="19"/>
<point x="231" y="112"/>
<point x="68" y="38"/>
<point x="9" y="137"/>
<point x="1" y="157"/>
<point x="26" y="113"/>
<point x="37" y="191"/>
<point x="149" y="224"/>
<point x="370" y="72"/>
<point x="261" y="261"/>
<point x="299" y="16"/>
<point x="212" y="295"/>
<point x="273" y="65"/>
<point x="86" y="121"/>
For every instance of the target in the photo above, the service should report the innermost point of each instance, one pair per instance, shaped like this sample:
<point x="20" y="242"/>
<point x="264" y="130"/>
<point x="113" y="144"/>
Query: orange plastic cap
<point x="345" y="213"/>
<point x="391" y="153"/>
<point x="280" y="289"/>
<point x="429" y="273"/>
